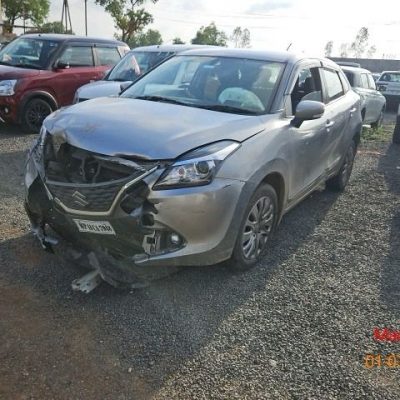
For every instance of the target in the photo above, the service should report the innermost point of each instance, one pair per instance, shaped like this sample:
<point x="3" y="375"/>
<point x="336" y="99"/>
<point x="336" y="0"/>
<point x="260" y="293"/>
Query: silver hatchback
<point x="195" y="163"/>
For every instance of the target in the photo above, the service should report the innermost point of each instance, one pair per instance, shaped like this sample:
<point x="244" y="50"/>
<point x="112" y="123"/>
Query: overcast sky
<point x="308" y="24"/>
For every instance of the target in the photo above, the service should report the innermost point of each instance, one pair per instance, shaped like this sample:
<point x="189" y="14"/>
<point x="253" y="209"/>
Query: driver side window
<point x="307" y="87"/>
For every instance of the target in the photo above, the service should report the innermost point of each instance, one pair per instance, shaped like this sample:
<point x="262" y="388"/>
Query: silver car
<point x="135" y="63"/>
<point x="389" y="84"/>
<point x="195" y="163"/>
<point x="373" y="103"/>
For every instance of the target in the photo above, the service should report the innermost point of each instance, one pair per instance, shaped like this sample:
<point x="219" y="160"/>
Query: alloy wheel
<point x="257" y="228"/>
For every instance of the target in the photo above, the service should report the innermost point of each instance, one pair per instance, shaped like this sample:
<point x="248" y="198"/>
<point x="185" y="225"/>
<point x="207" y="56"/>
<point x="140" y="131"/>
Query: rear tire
<point x="258" y="224"/>
<point x="34" y="113"/>
<point x="339" y="182"/>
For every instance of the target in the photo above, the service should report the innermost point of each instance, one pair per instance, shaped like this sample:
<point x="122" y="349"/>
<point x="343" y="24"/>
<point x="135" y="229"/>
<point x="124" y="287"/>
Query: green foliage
<point x="53" y="27"/>
<point x="178" y="40"/>
<point x="360" y="44"/>
<point x="210" y="35"/>
<point x="240" y="37"/>
<point x="35" y="11"/>
<point x="148" y="38"/>
<point x="129" y="19"/>
<point x="382" y="134"/>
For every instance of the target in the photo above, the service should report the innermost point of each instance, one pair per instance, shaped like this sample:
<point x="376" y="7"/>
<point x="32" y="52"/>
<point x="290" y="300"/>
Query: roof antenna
<point x="290" y="45"/>
<point x="66" y="17"/>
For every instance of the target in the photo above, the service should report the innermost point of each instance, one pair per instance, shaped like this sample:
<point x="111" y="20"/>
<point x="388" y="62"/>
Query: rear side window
<point x="371" y="82"/>
<point x="333" y="84"/>
<point x="77" y="56"/>
<point x="364" y="81"/>
<point x="107" y="55"/>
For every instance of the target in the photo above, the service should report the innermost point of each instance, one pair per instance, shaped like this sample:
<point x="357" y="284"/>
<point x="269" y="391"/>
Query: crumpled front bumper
<point x="205" y="218"/>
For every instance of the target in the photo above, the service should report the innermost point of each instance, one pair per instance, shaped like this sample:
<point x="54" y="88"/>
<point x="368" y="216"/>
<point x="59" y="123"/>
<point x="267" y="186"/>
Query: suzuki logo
<point x="80" y="199"/>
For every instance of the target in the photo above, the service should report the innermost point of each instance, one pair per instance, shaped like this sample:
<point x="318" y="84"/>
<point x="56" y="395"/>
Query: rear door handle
<point x="329" y="124"/>
<point x="353" y="110"/>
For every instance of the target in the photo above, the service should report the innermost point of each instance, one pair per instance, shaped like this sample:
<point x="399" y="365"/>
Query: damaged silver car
<point x="194" y="164"/>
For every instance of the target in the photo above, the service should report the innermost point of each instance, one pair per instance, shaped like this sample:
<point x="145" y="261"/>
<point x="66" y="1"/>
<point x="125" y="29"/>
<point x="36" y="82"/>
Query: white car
<point x="135" y="63"/>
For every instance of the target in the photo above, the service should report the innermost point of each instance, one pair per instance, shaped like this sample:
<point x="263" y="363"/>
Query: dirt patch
<point x="74" y="362"/>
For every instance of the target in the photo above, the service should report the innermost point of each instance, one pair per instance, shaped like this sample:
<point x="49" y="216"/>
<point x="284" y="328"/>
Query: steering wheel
<point x="242" y="98"/>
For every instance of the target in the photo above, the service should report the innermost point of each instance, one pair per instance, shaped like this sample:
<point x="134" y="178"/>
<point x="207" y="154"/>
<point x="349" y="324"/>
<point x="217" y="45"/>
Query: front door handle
<point x="353" y="110"/>
<point x="329" y="124"/>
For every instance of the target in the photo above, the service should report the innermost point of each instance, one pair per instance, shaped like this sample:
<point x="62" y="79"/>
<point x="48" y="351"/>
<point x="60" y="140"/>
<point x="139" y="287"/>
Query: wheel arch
<point x="39" y="94"/>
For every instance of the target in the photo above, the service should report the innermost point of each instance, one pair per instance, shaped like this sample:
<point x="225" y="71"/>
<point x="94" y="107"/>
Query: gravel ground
<point x="296" y="327"/>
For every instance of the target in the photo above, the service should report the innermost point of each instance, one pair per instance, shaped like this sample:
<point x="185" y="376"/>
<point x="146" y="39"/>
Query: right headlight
<point x="196" y="168"/>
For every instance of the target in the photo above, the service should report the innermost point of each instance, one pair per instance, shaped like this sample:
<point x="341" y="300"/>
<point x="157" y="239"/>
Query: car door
<point x="378" y="101"/>
<point x="308" y="142"/>
<point x="339" y="110"/>
<point x="74" y="67"/>
<point x="369" y="99"/>
<point x="106" y="56"/>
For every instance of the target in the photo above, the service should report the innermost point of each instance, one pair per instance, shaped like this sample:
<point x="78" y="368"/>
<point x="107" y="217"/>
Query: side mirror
<point x="124" y="85"/>
<point x="307" y="110"/>
<point x="60" y="65"/>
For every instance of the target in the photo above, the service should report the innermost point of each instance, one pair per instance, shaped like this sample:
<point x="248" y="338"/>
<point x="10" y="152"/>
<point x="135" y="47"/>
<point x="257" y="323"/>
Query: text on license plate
<point x="99" y="227"/>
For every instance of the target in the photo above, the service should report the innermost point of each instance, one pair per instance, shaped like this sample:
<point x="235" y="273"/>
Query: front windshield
<point x="28" y="53"/>
<point x="136" y="63"/>
<point x="218" y="83"/>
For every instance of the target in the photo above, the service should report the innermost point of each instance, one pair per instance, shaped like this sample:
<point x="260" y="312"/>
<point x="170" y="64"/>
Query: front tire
<point x="34" y="113"/>
<point x="339" y="182"/>
<point x="258" y="224"/>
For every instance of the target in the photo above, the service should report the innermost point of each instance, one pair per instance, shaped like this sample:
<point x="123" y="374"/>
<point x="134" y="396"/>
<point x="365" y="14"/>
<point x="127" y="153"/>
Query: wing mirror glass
<point x="307" y="110"/>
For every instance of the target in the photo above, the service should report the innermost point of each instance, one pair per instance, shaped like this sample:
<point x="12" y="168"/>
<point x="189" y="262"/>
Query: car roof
<point x="390" y="72"/>
<point x="265" y="55"/>
<point x="176" y="48"/>
<point x="64" y="37"/>
<point x="355" y="69"/>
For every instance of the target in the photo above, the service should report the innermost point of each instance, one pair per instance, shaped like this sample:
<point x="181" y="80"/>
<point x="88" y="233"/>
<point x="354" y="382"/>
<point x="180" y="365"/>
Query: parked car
<point x="41" y="72"/>
<point x="136" y="63"/>
<point x="373" y="103"/>
<point x="195" y="163"/>
<point x="376" y="75"/>
<point x="389" y="84"/>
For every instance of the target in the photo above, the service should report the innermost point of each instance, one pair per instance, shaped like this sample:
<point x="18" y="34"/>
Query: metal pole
<point x="86" y="17"/>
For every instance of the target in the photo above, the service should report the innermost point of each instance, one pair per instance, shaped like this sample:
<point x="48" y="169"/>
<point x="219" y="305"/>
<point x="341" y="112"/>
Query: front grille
<point x="95" y="198"/>
<point x="85" y="181"/>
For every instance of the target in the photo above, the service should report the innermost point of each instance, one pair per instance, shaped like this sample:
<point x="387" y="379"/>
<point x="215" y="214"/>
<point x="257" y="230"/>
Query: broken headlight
<point x="196" y="168"/>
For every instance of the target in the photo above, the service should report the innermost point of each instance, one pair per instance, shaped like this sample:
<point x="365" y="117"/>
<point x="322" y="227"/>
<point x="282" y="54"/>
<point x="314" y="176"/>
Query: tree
<point x="210" y="35"/>
<point x="240" y="38"/>
<point x="371" y="51"/>
<point x="35" y="11"/>
<point x="129" y="19"/>
<point x="52" y="27"/>
<point x="329" y="49"/>
<point x="360" y="44"/>
<point x="147" y="38"/>
<point x="178" y="40"/>
<point x="344" y="50"/>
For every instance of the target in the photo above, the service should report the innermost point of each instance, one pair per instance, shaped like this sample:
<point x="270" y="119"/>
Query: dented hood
<point x="146" y="129"/>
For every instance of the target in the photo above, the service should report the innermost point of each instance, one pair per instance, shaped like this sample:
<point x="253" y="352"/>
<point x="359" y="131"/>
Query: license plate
<point x="98" y="227"/>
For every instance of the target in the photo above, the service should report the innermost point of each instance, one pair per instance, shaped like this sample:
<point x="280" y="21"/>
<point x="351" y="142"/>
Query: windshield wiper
<point x="5" y="63"/>
<point x="161" y="99"/>
<point x="228" y="109"/>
